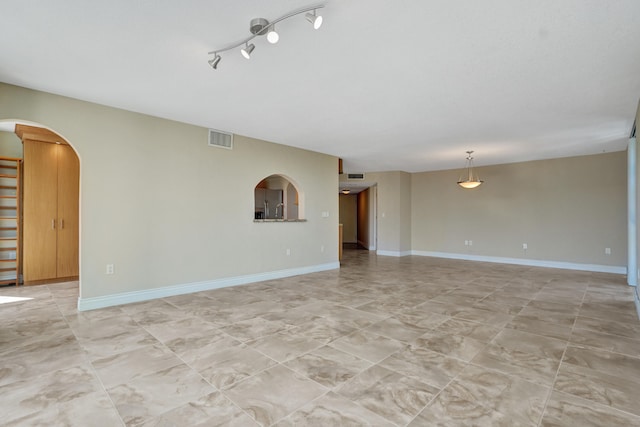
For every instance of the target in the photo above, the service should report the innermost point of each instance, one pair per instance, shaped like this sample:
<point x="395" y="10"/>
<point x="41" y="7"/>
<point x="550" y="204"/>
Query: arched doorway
<point x="49" y="205"/>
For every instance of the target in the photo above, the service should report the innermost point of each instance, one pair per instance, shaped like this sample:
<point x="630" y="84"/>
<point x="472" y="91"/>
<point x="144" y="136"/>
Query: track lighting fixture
<point x="261" y="27"/>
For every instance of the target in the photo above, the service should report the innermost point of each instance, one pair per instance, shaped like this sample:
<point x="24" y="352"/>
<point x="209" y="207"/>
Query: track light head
<point x="314" y="19"/>
<point x="246" y="51"/>
<point x="215" y="61"/>
<point x="272" y="35"/>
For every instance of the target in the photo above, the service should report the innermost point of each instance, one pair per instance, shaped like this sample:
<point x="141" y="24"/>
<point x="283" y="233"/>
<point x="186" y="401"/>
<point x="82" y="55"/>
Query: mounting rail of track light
<point x="261" y="27"/>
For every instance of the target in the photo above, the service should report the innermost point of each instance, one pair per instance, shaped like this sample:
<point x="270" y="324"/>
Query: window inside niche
<point x="277" y="198"/>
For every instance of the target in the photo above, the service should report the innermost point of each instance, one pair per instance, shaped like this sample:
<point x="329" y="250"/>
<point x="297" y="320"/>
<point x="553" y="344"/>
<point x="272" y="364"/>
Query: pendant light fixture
<point x="468" y="179"/>
<point x="261" y="27"/>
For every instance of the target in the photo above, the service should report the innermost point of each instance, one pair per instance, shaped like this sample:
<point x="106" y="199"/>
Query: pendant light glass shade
<point x="470" y="184"/>
<point x="469" y="179"/>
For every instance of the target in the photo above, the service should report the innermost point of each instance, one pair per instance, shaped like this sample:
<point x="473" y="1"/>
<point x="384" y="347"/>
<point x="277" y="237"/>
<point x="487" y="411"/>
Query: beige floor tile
<point x="619" y="312"/>
<point x="154" y="312"/>
<point x="424" y="365"/>
<point x="284" y="346"/>
<point x="252" y="329"/>
<point x="477" y="331"/>
<point x="94" y="409"/>
<point x="184" y="326"/>
<point x="606" y="362"/>
<point x="519" y="400"/>
<point x="607" y="378"/>
<point x="488" y="317"/>
<point x="143" y="398"/>
<point x="456" y="346"/>
<point x="118" y="342"/>
<point x="211" y="410"/>
<point x="328" y="366"/>
<point x="39" y="355"/>
<point x="389" y="394"/>
<point x="332" y="410"/>
<point x="454" y="411"/>
<point x="194" y="345"/>
<point x="605" y="341"/>
<point x="273" y="394"/>
<point x="229" y="364"/>
<point x="124" y="367"/>
<point x="564" y="318"/>
<point x="367" y="345"/>
<point x="420" y="319"/>
<point x="623" y="329"/>
<point x="22" y="398"/>
<point x="566" y="410"/>
<point x="531" y="357"/>
<point x="397" y="329"/>
<point x="534" y="326"/>
<point x="324" y="330"/>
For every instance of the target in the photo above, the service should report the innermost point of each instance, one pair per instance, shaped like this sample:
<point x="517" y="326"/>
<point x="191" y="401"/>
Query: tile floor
<point x="383" y="342"/>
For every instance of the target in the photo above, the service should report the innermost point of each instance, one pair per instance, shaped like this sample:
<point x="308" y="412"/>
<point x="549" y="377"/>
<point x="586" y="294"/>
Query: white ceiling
<point x="386" y="85"/>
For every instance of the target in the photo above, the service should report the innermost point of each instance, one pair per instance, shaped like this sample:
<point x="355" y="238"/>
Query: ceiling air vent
<point x="359" y="176"/>
<point x="220" y="139"/>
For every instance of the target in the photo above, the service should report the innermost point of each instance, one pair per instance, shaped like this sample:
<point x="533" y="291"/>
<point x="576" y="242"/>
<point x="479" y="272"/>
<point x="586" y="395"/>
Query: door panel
<point x="39" y="211"/>
<point x="68" y="195"/>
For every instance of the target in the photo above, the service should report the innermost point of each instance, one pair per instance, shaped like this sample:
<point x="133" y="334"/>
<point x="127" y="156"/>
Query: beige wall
<point x="166" y="209"/>
<point x="364" y="218"/>
<point x="10" y="145"/>
<point x="566" y="210"/>
<point x="348" y="217"/>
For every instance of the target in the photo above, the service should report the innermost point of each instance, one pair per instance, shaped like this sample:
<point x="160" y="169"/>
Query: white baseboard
<point x="393" y="253"/>
<point x="529" y="262"/>
<point x="93" y="303"/>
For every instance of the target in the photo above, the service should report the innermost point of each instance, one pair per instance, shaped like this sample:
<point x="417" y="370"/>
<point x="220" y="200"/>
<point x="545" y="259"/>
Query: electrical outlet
<point x="110" y="269"/>
<point x="524" y="246"/>
<point x="470" y="242"/>
<point x="466" y="243"/>
<point x="321" y="248"/>
<point x="288" y="251"/>
<point x="607" y="251"/>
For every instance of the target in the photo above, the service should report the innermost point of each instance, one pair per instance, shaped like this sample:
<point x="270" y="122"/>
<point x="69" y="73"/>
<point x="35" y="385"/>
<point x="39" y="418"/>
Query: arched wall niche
<point x="278" y="198"/>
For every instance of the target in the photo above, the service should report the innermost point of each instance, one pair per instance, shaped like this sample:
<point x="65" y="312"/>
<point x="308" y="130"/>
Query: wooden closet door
<point x="39" y="211"/>
<point x="68" y="218"/>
